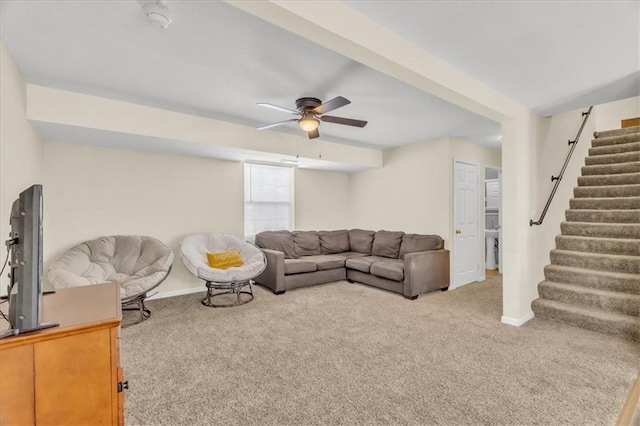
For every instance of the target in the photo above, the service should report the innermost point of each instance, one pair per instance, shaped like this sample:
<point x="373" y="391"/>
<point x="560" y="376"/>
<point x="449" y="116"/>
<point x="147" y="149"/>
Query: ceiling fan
<point x="310" y="112"/>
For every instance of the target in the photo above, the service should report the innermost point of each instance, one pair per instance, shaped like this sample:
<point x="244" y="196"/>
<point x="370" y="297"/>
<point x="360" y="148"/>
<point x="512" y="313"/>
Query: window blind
<point x="268" y="199"/>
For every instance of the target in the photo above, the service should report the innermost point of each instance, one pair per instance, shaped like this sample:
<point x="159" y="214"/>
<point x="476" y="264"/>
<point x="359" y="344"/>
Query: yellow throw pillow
<point x="224" y="259"/>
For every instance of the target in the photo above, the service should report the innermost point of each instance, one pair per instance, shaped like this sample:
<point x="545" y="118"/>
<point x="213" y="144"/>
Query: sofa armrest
<point x="425" y="271"/>
<point x="273" y="275"/>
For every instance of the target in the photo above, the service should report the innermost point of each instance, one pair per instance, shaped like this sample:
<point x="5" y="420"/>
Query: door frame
<point x="499" y="170"/>
<point x="479" y="233"/>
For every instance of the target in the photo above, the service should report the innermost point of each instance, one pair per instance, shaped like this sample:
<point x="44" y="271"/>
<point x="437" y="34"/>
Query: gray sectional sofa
<point x="409" y="264"/>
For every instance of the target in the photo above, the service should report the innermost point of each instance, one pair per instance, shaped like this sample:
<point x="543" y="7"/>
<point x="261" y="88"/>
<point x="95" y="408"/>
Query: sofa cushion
<point x="277" y="240"/>
<point x="392" y="269"/>
<point x="387" y="244"/>
<point x="306" y="243"/>
<point x="361" y="241"/>
<point x="298" y="266"/>
<point x="334" y="241"/>
<point x="362" y="264"/>
<point x="412" y="243"/>
<point x="350" y="254"/>
<point x="326" y="261"/>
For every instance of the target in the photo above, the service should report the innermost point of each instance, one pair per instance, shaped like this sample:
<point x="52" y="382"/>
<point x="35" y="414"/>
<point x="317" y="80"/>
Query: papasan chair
<point x="232" y="280"/>
<point x="137" y="263"/>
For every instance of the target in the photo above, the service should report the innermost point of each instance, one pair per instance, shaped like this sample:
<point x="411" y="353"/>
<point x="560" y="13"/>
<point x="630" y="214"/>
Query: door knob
<point x="458" y="231"/>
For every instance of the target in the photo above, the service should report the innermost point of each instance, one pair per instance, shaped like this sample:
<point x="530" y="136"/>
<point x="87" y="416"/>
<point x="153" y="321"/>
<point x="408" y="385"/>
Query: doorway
<point x="492" y="220"/>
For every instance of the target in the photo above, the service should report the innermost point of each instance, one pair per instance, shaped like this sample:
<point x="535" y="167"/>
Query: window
<point x="268" y="199"/>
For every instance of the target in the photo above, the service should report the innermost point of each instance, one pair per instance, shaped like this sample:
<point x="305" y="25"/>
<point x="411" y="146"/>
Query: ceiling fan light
<point x="158" y="14"/>
<point x="308" y="124"/>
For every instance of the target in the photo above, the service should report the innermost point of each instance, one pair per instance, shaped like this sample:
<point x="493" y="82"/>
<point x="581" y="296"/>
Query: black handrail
<point x="558" y="178"/>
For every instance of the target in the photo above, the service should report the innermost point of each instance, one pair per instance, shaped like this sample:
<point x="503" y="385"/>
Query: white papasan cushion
<point x="194" y="249"/>
<point x="137" y="263"/>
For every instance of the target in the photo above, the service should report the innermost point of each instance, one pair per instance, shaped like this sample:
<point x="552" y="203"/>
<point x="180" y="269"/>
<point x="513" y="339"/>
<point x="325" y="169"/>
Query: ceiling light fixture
<point x="308" y="123"/>
<point x="158" y="13"/>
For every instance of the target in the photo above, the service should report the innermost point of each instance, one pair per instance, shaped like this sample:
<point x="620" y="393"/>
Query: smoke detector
<point x="158" y="13"/>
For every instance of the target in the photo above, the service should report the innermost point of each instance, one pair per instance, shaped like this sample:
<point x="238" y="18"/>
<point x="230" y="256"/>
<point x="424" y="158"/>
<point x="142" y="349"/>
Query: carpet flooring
<point x="345" y="353"/>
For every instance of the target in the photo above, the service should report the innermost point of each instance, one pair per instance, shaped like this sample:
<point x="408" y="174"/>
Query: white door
<point x="466" y="246"/>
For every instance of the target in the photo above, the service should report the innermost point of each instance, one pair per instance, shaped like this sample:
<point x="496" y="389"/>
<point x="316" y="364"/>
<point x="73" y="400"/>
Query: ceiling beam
<point x="136" y="125"/>
<point x="344" y="30"/>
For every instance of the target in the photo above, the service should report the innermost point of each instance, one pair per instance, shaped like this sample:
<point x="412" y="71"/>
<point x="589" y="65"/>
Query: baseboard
<point x="517" y="321"/>
<point x="174" y="293"/>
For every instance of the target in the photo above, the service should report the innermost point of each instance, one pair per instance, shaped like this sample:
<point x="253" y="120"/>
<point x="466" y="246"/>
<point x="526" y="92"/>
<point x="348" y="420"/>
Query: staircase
<point x="594" y="277"/>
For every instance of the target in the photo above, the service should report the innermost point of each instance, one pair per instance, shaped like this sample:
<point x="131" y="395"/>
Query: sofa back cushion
<point x="306" y="243"/>
<point x="412" y="243"/>
<point x="334" y="241"/>
<point x="361" y="241"/>
<point x="277" y="240"/>
<point x="387" y="244"/>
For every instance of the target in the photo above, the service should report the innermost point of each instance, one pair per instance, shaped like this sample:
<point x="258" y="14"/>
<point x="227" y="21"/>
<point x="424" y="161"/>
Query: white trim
<point x="519" y="321"/>
<point x="174" y="293"/>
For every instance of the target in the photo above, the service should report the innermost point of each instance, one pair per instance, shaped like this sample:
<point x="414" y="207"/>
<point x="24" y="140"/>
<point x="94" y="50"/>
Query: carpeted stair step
<point x="611" y="169"/>
<point x="598" y="261"/>
<point x="592" y="319"/>
<point x="615" y="149"/>
<point x="616" y="140"/>
<point x="624" y="157"/>
<point x="572" y="294"/>
<point x="611" y="191"/>
<point x="608" y="203"/>
<point x="621" y="246"/>
<point x="603" y="216"/>
<point x="609" y="180"/>
<point x="603" y="230"/>
<point x="616" y="132"/>
<point x="604" y="280"/>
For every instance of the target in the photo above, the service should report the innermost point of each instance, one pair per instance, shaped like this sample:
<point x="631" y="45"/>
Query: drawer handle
<point x="122" y="386"/>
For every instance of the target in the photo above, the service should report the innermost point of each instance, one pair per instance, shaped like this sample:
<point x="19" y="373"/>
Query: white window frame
<point x="247" y="165"/>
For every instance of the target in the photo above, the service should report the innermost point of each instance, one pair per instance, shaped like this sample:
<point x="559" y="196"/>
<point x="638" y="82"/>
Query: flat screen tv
<point x="25" y="277"/>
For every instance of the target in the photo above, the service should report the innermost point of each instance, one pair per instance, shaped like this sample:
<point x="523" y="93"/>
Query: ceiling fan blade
<point x="334" y="103"/>
<point x="345" y="121"/>
<point x="268" y="126"/>
<point x="314" y="134"/>
<point x="279" y="108"/>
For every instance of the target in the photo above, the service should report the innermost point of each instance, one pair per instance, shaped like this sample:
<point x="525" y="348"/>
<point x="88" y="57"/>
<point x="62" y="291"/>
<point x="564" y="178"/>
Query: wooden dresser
<point x="69" y="374"/>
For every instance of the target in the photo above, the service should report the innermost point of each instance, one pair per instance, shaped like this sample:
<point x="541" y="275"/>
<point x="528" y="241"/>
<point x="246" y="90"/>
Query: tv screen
<point x="25" y="282"/>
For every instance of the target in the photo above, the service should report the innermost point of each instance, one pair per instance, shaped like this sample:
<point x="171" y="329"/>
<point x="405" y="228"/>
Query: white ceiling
<point x="551" y="56"/>
<point x="217" y="61"/>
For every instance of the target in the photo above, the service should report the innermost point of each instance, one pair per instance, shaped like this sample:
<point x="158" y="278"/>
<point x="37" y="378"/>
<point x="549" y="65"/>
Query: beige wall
<point x="321" y="200"/>
<point x="91" y="191"/>
<point x="20" y="147"/>
<point x="552" y="152"/>
<point x="409" y="193"/>
<point x="609" y="115"/>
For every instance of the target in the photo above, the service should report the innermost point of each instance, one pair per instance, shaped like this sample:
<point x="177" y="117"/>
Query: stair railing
<point x="558" y="178"/>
